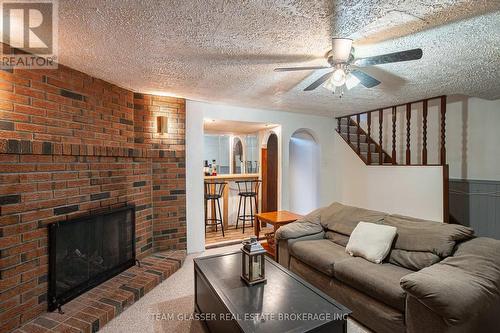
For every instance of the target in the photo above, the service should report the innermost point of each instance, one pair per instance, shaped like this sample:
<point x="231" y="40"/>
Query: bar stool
<point x="213" y="192"/>
<point x="247" y="189"/>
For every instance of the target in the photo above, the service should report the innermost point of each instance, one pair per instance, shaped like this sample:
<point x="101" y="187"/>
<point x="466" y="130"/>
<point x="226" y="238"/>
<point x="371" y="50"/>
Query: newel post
<point x="368" y="137"/>
<point x="408" y="134"/>
<point x="424" y="134"/>
<point x="443" y="130"/>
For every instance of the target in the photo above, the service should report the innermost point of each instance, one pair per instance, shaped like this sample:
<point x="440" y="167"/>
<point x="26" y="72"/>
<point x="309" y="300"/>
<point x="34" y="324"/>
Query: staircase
<point x="370" y="149"/>
<point x="365" y="147"/>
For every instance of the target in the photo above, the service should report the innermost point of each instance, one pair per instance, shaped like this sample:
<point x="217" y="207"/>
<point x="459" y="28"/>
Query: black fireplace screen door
<point x="87" y="251"/>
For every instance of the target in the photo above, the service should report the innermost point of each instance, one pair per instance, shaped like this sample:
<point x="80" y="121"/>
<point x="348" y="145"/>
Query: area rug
<point x="176" y="316"/>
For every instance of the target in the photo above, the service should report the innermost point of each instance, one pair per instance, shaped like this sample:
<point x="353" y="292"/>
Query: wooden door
<point x="270" y="175"/>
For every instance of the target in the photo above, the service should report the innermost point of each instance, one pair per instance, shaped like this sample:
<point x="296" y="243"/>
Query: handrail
<point x="384" y="157"/>
<point x="391" y="106"/>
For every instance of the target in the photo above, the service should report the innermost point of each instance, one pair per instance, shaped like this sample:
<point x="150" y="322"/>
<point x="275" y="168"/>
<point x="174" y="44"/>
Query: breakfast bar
<point x="225" y="196"/>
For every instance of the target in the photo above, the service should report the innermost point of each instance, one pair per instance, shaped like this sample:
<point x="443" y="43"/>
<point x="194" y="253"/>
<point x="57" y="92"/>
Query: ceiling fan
<point x="345" y="68"/>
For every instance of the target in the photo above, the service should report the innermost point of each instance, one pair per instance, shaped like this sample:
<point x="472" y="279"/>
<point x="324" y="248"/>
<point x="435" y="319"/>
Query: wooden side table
<point x="276" y="219"/>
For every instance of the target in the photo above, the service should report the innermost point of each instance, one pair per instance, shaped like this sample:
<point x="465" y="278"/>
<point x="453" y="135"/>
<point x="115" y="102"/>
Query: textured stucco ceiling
<point x="225" y="51"/>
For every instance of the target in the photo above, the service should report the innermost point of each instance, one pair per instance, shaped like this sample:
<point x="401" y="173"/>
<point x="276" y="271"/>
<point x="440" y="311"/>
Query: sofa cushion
<point x="427" y="236"/>
<point x="337" y="238"/>
<point x="321" y="254"/>
<point x="413" y="260"/>
<point x="343" y="219"/>
<point x="380" y="281"/>
<point x="371" y="241"/>
<point x="460" y="287"/>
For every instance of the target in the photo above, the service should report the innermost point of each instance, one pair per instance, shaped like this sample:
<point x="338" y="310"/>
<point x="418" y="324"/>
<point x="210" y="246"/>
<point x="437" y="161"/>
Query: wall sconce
<point x="162" y="124"/>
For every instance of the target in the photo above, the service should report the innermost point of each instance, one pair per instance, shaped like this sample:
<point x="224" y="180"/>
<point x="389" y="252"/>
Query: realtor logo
<point x="29" y="33"/>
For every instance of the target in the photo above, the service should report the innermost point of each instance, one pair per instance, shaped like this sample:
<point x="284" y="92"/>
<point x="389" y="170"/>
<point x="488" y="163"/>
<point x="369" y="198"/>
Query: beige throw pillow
<point x="371" y="241"/>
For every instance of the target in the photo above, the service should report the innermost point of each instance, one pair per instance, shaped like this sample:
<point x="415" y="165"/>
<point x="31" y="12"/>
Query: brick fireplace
<point x="71" y="144"/>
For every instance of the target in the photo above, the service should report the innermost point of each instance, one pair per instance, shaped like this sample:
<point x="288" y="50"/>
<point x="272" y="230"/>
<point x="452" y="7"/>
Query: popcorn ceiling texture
<point x="225" y="51"/>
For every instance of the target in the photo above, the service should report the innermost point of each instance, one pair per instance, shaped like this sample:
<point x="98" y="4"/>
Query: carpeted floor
<point x="174" y="296"/>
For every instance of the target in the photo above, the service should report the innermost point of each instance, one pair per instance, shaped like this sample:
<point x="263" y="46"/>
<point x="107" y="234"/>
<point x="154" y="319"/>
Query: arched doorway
<point x="270" y="175"/>
<point x="304" y="172"/>
<point x="237" y="156"/>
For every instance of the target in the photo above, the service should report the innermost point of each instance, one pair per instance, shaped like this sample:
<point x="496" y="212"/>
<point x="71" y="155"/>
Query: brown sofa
<point x="437" y="278"/>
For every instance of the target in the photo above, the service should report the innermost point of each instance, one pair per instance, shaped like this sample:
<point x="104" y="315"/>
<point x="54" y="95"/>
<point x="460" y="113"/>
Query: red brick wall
<point x="168" y="170"/>
<point x="71" y="144"/>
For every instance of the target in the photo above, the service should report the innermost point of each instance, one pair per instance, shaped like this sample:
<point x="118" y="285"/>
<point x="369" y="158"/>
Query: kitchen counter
<point x="234" y="176"/>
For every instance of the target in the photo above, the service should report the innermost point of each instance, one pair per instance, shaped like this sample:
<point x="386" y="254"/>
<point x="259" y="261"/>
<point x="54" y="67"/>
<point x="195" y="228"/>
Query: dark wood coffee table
<point x="284" y="303"/>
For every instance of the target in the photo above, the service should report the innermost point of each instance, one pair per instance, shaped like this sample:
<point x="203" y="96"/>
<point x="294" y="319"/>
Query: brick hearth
<point x="93" y="309"/>
<point x="71" y="144"/>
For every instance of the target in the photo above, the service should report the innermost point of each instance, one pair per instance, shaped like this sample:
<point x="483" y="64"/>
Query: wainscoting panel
<point x="476" y="203"/>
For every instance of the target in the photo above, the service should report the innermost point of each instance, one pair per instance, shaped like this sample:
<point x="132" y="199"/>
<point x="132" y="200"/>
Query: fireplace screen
<point x="85" y="252"/>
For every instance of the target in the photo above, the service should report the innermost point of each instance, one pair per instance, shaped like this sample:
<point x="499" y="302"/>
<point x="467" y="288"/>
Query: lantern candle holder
<point x="253" y="262"/>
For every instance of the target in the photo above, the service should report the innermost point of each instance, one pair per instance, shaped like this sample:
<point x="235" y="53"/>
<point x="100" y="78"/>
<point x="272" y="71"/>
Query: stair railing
<point x="391" y="159"/>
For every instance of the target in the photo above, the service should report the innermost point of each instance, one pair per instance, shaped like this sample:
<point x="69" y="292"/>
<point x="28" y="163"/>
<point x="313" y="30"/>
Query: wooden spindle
<point x="380" y="124"/>
<point x="443" y="130"/>
<point x="339" y="121"/>
<point x="358" y="121"/>
<point x="368" y="137"/>
<point x="424" y="134"/>
<point x="349" y="130"/>
<point x="408" y="134"/>
<point x="393" y="135"/>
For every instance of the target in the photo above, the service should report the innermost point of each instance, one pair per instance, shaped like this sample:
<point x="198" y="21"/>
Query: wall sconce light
<point x="162" y="124"/>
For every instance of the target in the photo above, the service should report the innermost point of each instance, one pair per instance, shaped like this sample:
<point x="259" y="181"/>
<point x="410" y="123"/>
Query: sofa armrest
<point x="298" y="229"/>
<point x="283" y="246"/>
<point x="309" y="224"/>
<point x="306" y="228"/>
<point x="460" y="288"/>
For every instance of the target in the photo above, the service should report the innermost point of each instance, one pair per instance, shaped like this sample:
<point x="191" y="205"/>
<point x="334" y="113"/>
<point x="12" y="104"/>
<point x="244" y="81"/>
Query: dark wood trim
<point x="424" y="134"/>
<point x="357" y="132"/>
<point x="369" y="154"/>
<point x="388" y="107"/>
<point x="408" y="133"/>
<point x="443" y="130"/>
<point x="393" y="135"/>
<point x="380" y="130"/>
<point x="272" y="173"/>
<point x="263" y="164"/>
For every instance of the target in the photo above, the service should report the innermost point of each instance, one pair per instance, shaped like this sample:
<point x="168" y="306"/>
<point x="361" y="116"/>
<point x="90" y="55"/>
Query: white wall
<point x="195" y="222"/>
<point x="472" y="136"/>
<point x="412" y="191"/>
<point x="304" y="172"/>
<point x="473" y="139"/>
<point x="323" y="127"/>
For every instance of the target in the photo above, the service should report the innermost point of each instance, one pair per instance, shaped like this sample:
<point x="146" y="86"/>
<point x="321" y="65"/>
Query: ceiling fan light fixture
<point x="338" y="77"/>
<point x="341" y="49"/>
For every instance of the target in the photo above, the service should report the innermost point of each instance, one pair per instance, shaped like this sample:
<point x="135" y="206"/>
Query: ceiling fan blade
<point x="319" y="81"/>
<point x="408" y="55"/>
<point x="365" y="79"/>
<point x="292" y="69"/>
